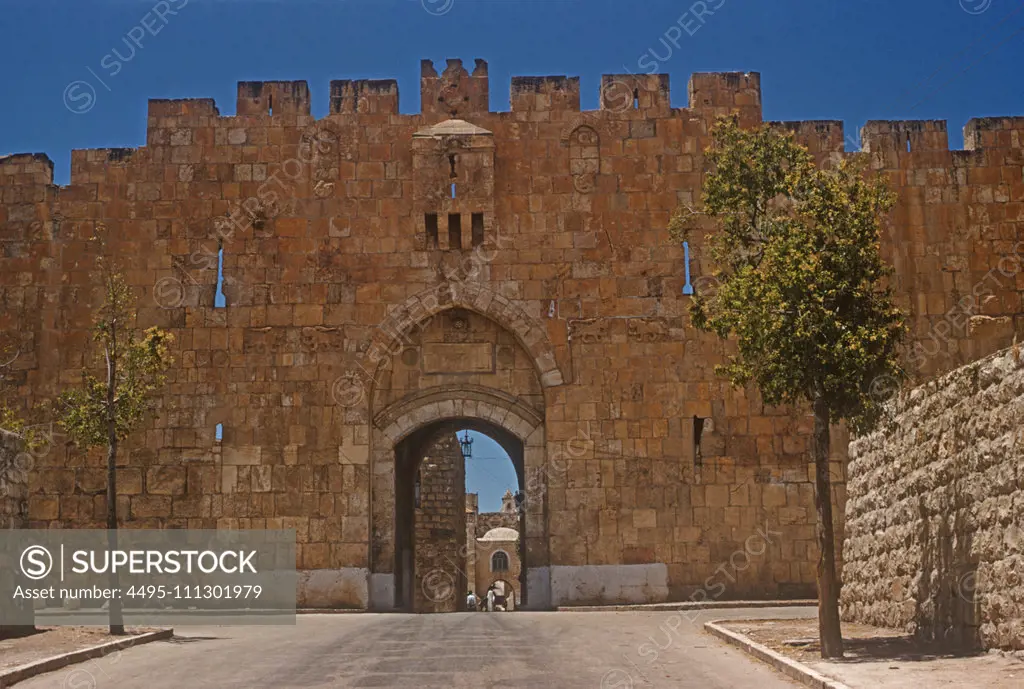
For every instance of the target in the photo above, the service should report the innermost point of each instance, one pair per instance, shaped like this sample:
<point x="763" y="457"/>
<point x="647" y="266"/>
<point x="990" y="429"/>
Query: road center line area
<point x="594" y="650"/>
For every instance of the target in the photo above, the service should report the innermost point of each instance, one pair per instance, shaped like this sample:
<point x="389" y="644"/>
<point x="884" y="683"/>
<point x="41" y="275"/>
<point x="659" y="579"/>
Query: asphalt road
<point x="592" y="650"/>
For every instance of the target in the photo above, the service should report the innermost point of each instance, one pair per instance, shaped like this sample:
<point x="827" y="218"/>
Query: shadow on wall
<point x="947" y="612"/>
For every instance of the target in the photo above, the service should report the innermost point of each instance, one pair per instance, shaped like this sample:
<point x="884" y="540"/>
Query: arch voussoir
<point x="471" y="402"/>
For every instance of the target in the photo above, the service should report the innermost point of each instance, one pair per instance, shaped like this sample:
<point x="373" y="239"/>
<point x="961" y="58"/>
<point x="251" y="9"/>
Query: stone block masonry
<point x="440" y="549"/>
<point x="513" y="270"/>
<point x="935" y="511"/>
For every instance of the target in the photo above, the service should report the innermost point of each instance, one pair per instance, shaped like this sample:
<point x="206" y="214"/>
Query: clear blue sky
<point x="489" y="472"/>
<point x="868" y="59"/>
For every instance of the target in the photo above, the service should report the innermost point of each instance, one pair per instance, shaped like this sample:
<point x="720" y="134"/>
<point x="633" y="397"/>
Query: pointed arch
<point x="418" y="309"/>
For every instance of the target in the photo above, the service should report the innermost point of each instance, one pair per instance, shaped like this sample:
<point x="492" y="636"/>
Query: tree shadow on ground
<point x="902" y="648"/>
<point x="20" y="632"/>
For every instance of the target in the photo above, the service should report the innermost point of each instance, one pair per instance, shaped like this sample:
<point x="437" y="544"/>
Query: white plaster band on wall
<point x="538" y="588"/>
<point x="604" y="584"/>
<point x="382" y="591"/>
<point x="347" y="587"/>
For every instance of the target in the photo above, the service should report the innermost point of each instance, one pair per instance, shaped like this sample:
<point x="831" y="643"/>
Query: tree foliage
<point x="128" y="367"/>
<point x="15" y="431"/>
<point x="117" y="391"/>
<point x="800" y="283"/>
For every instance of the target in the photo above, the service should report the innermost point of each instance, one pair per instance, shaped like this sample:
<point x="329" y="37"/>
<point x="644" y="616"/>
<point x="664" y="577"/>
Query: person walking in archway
<point x="490" y="598"/>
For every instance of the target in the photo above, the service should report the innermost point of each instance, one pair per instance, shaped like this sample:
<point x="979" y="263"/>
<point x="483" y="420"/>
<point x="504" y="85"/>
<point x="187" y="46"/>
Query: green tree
<point x="17" y="437"/>
<point x="17" y="440"/>
<point x="12" y="425"/>
<point x="116" y="392"/>
<point x="801" y="288"/>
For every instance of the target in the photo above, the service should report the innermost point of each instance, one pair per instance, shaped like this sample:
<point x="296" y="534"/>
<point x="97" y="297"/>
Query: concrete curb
<point x="788" y="667"/>
<point x="689" y="605"/>
<point x="23" y="672"/>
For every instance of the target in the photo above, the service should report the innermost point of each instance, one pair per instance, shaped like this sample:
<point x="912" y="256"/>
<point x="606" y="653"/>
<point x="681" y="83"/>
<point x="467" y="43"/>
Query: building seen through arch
<point x="495" y="557"/>
<point x="445" y="546"/>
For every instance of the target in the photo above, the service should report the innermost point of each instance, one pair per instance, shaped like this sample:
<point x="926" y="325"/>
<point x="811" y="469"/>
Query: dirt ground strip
<point x="52" y="641"/>
<point x="877" y="657"/>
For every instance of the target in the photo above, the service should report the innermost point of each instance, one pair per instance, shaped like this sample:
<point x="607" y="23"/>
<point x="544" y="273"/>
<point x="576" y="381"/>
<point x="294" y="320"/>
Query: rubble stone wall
<point x="935" y="511"/>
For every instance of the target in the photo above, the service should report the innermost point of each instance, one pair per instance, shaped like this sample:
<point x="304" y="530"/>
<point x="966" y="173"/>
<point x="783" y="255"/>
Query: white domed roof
<point x="501" y="534"/>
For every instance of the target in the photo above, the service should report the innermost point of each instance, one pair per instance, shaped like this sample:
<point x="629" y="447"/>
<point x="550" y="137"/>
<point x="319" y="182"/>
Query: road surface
<point x="585" y="650"/>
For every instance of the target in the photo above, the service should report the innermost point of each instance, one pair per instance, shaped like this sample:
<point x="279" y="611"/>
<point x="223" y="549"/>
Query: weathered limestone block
<point x="933" y="516"/>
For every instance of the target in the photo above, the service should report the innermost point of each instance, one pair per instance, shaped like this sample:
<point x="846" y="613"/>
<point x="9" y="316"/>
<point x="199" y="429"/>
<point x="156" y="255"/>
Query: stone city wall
<point x="385" y="270"/>
<point x="935" y="511"/>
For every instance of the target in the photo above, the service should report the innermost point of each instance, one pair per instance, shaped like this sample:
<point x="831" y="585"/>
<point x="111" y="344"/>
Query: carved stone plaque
<point x="473" y="357"/>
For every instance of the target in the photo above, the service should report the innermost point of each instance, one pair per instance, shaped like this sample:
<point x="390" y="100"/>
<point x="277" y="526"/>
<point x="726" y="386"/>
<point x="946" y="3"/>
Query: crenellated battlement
<point x="98" y="165"/>
<point x="20" y="169"/>
<point x="535" y="94"/>
<point x="455" y="92"/>
<point x="725" y="89"/>
<point x="260" y="98"/>
<point x="648" y="93"/>
<point x="364" y="96"/>
<point x="909" y="136"/>
<point x="819" y="136"/>
<point x="182" y="107"/>
<point x="191" y="126"/>
<point x="994" y="132"/>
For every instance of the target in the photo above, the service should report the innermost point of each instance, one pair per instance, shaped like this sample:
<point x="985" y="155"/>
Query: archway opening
<point x="441" y="547"/>
<point x="495" y="517"/>
<point x="504" y="596"/>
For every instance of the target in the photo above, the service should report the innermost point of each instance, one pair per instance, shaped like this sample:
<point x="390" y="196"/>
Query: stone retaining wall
<point x="935" y="511"/>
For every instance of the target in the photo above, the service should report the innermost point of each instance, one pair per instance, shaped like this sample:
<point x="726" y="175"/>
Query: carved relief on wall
<point x="262" y="340"/>
<point x="589" y="331"/>
<point x="319" y="148"/>
<point x="647" y="330"/>
<point x="452" y="96"/>
<point x="584" y="158"/>
<point x="456" y="326"/>
<point x="323" y="189"/>
<point x="322" y="339"/>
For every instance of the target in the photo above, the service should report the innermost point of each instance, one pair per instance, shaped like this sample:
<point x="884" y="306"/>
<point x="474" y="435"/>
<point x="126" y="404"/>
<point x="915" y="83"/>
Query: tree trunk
<point x="116" y="616"/>
<point x="829" y="631"/>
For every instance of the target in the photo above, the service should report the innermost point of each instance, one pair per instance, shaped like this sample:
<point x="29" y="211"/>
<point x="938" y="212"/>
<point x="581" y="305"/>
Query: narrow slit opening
<point x="218" y="432"/>
<point x="454" y="231"/>
<point x="431" y="224"/>
<point x="219" y="298"/>
<point x="698" y="431"/>
<point x="478" y="229"/>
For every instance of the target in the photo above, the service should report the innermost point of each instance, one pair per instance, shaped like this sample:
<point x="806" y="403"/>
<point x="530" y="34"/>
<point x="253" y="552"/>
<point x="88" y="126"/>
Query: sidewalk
<point x="51" y="641"/>
<point x="884" y="658"/>
<point x="688" y="605"/>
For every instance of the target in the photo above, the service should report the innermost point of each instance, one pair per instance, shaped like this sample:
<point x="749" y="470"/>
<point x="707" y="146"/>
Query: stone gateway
<point x="389" y="278"/>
